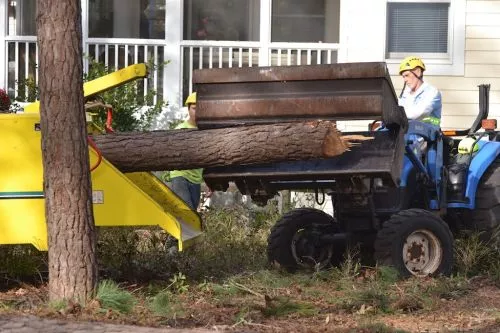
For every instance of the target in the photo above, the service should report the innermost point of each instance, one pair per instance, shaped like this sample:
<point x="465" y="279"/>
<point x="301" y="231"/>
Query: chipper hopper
<point x="338" y="92"/>
<point x="131" y="199"/>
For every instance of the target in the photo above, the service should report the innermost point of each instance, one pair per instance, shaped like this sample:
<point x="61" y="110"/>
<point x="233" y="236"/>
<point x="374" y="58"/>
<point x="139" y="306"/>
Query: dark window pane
<point x="21" y="15"/>
<point x="305" y="21"/>
<point x="236" y="20"/>
<point x="127" y="19"/>
<point x="417" y="27"/>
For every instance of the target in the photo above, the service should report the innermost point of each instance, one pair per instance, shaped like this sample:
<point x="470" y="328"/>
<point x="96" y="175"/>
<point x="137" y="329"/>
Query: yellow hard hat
<point x="191" y="99"/>
<point x="410" y="63"/>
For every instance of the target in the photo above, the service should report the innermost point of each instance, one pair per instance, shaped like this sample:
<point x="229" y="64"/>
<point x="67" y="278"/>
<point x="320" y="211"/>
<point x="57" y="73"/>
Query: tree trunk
<point x="188" y="149"/>
<point x="67" y="186"/>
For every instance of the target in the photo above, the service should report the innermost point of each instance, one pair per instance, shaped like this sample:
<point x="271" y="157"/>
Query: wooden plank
<point x="462" y="83"/>
<point x="482" y="57"/>
<point x="467" y="96"/>
<point x="482" y="32"/>
<point x="483" y="7"/>
<point x="482" y="44"/>
<point x="482" y="19"/>
<point x="469" y="109"/>
<point x="457" y="122"/>
<point x="486" y="71"/>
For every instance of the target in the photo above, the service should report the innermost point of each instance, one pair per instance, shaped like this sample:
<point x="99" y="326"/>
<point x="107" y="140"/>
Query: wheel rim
<point x="307" y="252"/>
<point x="422" y="253"/>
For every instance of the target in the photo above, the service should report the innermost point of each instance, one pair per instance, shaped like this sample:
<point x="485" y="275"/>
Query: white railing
<point x="227" y="54"/>
<point x="22" y="58"/>
<point x="119" y="53"/>
<point x="288" y="54"/>
<point x="215" y="54"/>
<point x="21" y="67"/>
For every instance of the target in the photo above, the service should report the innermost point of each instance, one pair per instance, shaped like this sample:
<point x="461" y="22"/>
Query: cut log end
<point x="336" y="144"/>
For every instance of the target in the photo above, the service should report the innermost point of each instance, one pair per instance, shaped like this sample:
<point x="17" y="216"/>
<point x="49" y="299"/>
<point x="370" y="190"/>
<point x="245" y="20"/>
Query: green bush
<point x="110" y="296"/>
<point x="475" y="254"/>
<point x="233" y="242"/>
<point x="130" y="254"/>
<point x="23" y="262"/>
<point x="132" y="110"/>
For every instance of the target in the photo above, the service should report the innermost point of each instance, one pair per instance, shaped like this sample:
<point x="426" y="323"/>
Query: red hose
<point x="98" y="152"/>
<point x="109" y="120"/>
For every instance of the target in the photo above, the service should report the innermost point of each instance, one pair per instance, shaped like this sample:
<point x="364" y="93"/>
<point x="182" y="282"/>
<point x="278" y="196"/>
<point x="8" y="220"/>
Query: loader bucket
<point x="351" y="91"/>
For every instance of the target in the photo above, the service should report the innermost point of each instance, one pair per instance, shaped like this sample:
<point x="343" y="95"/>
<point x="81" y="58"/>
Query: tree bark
<point x="188" y="149"/>
<point x="67" y="186"/>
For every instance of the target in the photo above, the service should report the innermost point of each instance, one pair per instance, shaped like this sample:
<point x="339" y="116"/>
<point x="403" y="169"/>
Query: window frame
<point x="451" y="63"/>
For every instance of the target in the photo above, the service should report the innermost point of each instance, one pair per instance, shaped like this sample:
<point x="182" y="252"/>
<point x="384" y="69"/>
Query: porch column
<point x="174" y="17"/>
<point x="85" y="33"/>
<point x="3" y="32"/>
<point x="265" y="31"/>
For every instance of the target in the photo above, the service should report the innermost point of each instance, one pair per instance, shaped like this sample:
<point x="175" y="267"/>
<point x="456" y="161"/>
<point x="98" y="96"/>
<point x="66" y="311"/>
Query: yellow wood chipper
<point x="131" y="199"/>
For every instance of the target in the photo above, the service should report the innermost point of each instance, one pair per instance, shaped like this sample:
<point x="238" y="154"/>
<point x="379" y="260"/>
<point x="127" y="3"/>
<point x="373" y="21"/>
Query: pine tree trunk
<point x="67" y="187"/>
<point x="187" y="149"/>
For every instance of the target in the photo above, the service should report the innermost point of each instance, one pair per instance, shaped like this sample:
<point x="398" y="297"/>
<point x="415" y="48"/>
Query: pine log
<point x="188" y="149"/>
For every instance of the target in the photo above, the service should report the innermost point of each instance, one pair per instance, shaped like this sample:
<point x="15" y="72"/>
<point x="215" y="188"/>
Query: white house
<point x="458" y="39"/>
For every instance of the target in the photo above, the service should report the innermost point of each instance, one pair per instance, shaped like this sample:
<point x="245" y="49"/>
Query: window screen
<point x="417" y="27"/>
<point x="305" y="21"/>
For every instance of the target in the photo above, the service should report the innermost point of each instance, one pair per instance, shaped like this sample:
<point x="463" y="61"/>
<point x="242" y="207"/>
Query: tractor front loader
<point x="400" y="203"/>
<point x="131" y="199"/>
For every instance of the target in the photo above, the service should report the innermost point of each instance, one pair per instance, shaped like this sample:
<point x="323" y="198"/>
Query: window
<point x="232" y="20"/>
<point x="417" y="28"/>
<point x="22" y="18"/>
<point x="305" y="21"/>
<point x="433" y="30"/>
<point x="127" y="19"/>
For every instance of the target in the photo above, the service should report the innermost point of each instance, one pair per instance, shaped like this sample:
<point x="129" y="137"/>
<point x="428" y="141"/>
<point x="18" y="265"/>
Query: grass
<point x="380" y="328"/>
<point x="165" y="304"/>
<point x="281" y="306"/>
<point x="111" y="296"/>
<point x="223" y="278"/>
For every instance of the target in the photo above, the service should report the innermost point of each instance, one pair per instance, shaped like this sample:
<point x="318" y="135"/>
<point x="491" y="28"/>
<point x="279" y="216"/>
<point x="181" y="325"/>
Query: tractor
<point x="402" y="205"/>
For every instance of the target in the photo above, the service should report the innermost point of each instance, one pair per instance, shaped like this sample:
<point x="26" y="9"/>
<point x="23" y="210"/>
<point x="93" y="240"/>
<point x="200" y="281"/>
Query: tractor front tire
<point x="415" y="242"/>
<point x="486" y="216"/>
<point x="294" y="241"/>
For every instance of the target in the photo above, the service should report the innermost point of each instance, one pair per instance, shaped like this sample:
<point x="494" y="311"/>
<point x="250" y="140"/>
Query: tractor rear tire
<point x="415" y="242"/>
<point x="294" y="241"/>
<point x="486" y="216"/>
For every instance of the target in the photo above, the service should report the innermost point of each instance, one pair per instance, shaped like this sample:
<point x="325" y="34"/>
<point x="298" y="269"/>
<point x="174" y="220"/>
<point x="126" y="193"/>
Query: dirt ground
<point x="476" y="311"/>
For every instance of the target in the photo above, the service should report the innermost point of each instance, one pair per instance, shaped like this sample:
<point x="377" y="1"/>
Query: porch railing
<point x="22" y="59"/>
<point x="120" y="53"/>
<point x="221" y="54"/>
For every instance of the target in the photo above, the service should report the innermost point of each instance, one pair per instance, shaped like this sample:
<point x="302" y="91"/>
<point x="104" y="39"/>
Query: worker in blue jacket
<point x="420" y="100"/>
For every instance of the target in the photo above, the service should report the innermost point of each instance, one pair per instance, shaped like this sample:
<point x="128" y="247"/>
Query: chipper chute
<point x="337" y="92"/>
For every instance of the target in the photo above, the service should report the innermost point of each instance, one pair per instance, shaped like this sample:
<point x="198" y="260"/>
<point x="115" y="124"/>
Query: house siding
<point x="460" y="94"/>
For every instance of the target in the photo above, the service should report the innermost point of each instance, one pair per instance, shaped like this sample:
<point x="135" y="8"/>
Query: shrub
<point x="132" y="110"/>
<point x="233" y="242"/>
<point x="110" y="296"/>
<point x="476" y="255"/>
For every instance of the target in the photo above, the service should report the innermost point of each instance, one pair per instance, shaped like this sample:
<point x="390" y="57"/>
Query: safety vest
<point x="432" y="120"/>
